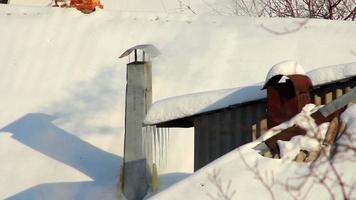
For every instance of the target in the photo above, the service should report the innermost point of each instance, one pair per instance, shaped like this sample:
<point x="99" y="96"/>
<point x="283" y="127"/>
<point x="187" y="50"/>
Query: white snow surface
<point x="285" y="68"/>
<point x="238" y="171"/>
<point x="63" y="86"/>
<point x="332" y="73"/>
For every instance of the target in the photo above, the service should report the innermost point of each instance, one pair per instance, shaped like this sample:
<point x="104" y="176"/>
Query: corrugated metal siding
<point x="219" y="132"/>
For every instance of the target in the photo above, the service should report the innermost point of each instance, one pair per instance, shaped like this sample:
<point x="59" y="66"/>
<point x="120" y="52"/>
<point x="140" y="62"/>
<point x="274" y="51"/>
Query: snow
<point x="285" y="68"/>
<point x="244" y="164"/>
<point x="332" y="73"/>
<point x="349" y="117"/>
<point x="310" y="141"/>
<point x="63" y="86"/>
<point x="193" y="104"/>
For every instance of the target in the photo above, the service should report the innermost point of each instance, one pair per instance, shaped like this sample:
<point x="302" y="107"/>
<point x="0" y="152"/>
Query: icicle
<point x="159" y="147"/>
<point x="155" y="146"/>
<point x="166" y="143"/>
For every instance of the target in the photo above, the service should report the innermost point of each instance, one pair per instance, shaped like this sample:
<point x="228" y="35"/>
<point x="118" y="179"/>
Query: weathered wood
<point x="328" y="97"/>
<point x="331" y="132"/>
<point x="339" y="92"/>
<point x="300" y="157"/>
<point x="263" y="125"/>
<point x="313" y="155"/>
<point x="317" y="100"/>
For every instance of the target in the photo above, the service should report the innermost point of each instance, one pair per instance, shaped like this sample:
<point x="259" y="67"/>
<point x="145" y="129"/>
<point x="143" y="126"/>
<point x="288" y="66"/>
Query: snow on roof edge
<point x="332" y="73"/>
<point x="193" y="104"/>
<point x="179" y="107"/>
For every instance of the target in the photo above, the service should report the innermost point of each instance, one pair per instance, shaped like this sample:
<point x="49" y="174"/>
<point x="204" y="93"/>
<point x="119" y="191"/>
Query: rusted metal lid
<point x="147" y="48"/>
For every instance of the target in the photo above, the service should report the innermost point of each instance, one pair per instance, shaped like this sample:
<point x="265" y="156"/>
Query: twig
<point x="187" y="6"/>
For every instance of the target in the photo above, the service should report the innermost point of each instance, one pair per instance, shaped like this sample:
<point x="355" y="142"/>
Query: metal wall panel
<point x="218" y="133"/>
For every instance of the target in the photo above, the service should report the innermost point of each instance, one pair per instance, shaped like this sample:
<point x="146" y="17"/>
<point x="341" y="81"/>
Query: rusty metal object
<point x="287" y="134"/>
<point x="319" y="117"/>
<point x="286" y="98"/>
<point x="86" y="6"/>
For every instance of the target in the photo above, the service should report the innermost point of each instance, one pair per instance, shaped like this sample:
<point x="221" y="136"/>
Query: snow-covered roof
<point x="198" y="103"/>
<point x="332" y="73"/>
<point x="193" y="104"/>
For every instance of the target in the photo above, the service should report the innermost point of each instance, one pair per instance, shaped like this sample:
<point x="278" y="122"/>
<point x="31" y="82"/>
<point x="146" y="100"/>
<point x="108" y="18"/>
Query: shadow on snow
<point x="38" y="132"/>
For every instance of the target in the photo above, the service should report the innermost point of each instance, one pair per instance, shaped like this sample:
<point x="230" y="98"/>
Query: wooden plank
<point x="317" y="99"/>
<point x="263" y="125"/>
<point x="339" y="92"/>
<point x="261" y="115"/>
<point x="328" y="97"/>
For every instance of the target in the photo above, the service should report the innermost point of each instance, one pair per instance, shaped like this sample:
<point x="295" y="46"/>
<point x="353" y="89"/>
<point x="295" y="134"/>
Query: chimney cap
<point x="147" y="48"/>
